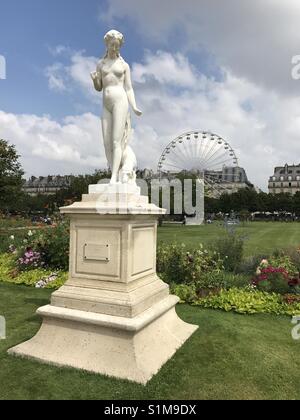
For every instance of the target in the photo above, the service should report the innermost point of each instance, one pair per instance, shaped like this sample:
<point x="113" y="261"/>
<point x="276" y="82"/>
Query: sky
<point x="221" y="66"/>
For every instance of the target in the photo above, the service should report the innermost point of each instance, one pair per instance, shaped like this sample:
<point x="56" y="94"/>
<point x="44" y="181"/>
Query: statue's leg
<point x="107" y="135"/>
<point x="120" y="113"/>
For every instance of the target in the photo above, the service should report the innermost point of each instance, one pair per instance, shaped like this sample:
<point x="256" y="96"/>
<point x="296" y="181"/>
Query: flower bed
<point x="36" y="277"/>
<point x="197" y="276"/>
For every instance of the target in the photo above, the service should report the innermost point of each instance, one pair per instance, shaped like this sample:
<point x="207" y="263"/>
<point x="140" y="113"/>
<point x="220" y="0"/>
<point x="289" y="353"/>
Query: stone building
<point x="286" y="179"/>
<point x="228" y="181"/>
<point x="48" y="185"/>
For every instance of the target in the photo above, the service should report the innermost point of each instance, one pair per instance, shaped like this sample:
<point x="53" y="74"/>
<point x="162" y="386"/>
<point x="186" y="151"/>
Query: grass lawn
<point x="261" y="237"/>
<point x="230" y="357"/>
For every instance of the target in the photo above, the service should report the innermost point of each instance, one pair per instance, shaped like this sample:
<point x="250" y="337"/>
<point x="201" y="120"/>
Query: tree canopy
<point x="11" y="174"/>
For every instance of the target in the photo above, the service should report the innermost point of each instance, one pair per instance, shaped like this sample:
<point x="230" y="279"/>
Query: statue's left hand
<point x="138" y="112"/>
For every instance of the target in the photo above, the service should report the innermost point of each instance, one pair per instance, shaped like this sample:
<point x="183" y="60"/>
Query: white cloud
<point x="48" y="147"/>
<point x="254" y="39"/>
<point x="261" y="124"/>
<point x="59" y="50"/>
<point x="166" y="68"/>
<point x="79" y="71"/>
<point x="55" y="75"/>
<point x="76" y="73"/>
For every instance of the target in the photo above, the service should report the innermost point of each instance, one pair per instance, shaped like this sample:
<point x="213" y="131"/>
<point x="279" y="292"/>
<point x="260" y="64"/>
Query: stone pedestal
<point x="114" y="315"/>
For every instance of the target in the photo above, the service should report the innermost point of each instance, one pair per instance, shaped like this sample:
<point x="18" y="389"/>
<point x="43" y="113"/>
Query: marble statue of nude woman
<point x="114" y="78"/>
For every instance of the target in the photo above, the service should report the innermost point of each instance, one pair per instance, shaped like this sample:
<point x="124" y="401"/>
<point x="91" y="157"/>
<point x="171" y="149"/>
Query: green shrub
<point x="55" y="248"/>
<point x="50" y="244"/>
<point x="177" y="265"/>
<point x="249" y="264"/>
<point x="186" y="293"/>
<point x="215" y="281"/>
<point x="9" y="274"/>
<point x="294" y="255"/>
<point x="277" y="282"/>
<point x="247" y="301"/>
<point x="230" y="248"/>
<point x="7" y="265"/>
<point x="281" y="260"/>
<point x="277" y="275"/>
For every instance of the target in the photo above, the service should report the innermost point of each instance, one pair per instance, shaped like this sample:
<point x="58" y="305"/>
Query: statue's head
<point x="114" y="41"/>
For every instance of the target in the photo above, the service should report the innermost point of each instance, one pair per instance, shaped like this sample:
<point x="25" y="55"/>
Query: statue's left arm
<point x="130" y="91"/>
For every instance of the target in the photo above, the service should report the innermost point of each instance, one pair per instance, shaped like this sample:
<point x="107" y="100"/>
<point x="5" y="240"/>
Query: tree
<point x="11" y="174"/>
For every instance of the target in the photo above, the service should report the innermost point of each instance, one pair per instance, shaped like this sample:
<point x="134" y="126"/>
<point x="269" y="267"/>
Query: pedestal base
<point x="114" y="315"/>
<point x="129" y="348"/>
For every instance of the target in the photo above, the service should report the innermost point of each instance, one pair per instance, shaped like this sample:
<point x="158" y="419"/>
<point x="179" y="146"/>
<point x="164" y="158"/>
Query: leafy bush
<point x="177" y="265"/>
<point x="277" y="275"/>
<point x="294" y="255"/>
<point x="247" y="301"/>
<point x="249" y="264"/>
<point x="186" y="293"/>
<point x="7" y="265"/>
<point x="230" y="248"/>
<point x="8" y="274"/>
<point x="275" y="280"/>
<point x="55" y="247"/>
<point x="280" y="260"/>
<point x="47" y="247"/>
<point x="221" y="280"/>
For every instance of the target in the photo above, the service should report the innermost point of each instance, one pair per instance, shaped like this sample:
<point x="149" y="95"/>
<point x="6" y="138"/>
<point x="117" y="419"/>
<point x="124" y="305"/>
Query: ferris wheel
<point x="205" y="154"/>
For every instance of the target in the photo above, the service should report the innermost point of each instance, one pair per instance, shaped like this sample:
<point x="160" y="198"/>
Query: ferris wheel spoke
<point x="217" y="154"/>
<point x="181" y="157"/>
<point x="175" y="166"/>
<point x="198" y="143"/>
<point x="200" y="150"/>
<point x="178" y="156"/>
<point x="213" y="150"/>
<point x="212" y="188"/>
<point x="188" y="151"/>
<point x="221" y="163"/>
<point x="199" y="146"/>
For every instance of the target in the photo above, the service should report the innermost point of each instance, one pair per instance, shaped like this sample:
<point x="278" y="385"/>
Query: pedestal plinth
<point x="114" y="315"/>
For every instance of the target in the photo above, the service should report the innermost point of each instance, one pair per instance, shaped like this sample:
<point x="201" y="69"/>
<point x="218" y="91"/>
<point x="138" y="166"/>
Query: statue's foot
<point x="114" y="182"/>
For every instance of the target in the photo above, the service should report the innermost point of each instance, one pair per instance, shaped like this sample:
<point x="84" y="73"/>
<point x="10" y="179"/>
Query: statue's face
<point x="113" y="45"/>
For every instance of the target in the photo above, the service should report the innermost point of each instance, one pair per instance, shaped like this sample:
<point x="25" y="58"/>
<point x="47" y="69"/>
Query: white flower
<point x="12" y="238"/>
<point x="30" y="233"/>
<point x="264" y="263"/>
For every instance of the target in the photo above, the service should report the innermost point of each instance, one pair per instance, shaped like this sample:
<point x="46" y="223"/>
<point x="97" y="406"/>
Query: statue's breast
<point x="116" y="70"/>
